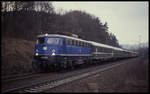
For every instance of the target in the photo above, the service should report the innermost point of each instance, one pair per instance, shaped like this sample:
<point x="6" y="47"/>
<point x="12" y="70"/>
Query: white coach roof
<point x="106" y="46"/>
<point x="92" y="42"/>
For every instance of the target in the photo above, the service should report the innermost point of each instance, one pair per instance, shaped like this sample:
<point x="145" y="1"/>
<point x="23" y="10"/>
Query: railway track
<point x="57" y="80"/>
<point x="17" y="77"/>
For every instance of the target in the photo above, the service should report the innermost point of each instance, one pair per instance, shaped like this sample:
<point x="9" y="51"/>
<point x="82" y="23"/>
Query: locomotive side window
<point x="61" y="42"/>
<point x="67" y="41"/>
<point x="70" y="42"/>
<point x="53" y="40"/>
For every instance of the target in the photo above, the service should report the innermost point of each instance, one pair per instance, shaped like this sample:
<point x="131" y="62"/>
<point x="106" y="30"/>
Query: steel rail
<point x="31" y="75"/>
<point x="16" y="76"/>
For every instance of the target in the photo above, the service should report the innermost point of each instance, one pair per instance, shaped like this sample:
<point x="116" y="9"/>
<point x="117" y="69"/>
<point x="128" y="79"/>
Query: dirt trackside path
<point x="129" y="77"/>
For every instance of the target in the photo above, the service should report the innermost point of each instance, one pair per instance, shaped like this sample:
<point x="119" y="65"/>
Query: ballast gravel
<point x="129" y="77"/>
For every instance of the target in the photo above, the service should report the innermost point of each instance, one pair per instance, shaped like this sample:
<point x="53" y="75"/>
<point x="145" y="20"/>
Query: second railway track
<point x="57" y="80"/>
<point x="17" y="77"/>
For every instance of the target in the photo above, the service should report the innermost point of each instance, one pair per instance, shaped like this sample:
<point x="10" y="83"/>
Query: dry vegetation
<point x="16" y="56"/>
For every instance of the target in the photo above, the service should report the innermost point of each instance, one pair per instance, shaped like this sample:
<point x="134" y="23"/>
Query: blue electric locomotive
<point x="54" y="51"/>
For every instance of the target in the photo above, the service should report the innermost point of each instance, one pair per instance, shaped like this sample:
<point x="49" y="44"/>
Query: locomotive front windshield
<point x="40" y="40"/>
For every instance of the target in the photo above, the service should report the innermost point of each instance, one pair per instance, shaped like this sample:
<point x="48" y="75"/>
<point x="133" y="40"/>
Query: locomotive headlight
<point x="36" y="54"/>
<point x="46" y="34"/>
<point x="53" y="52"/>
<point x="44" y="48"/>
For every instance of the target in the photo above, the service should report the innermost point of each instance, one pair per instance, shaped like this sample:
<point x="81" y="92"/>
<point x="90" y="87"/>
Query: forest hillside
<point x="21" y="22"/>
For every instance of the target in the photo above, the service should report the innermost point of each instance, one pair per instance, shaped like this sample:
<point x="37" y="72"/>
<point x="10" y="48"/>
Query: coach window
<point x="109" y="50"/>
<point x="74" y="42"/>
<point x="105" y="50"/>
<point x="87" y="45"/>
<point x="68" y="42"/>
<point x="78" y="43"/>
<point x="81" y="43"/>
<point x="102" y="50"/>
<point x="84" y="44"/>
<point x="71" y="42"/>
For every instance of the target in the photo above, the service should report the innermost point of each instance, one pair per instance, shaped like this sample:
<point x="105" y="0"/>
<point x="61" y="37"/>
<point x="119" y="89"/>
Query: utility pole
<point x="139" y="44"/>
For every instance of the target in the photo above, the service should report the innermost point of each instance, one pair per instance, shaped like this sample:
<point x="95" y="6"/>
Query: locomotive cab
<point x="50" y="46"/>
<point x="46" y="52"/>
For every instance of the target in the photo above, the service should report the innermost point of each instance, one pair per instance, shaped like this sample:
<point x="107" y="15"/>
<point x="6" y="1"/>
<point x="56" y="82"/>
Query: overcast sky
<point x="126" y="20"/>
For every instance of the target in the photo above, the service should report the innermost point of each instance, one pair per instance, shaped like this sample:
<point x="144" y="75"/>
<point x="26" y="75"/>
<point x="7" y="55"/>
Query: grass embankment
<point x="16" y="56"/>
